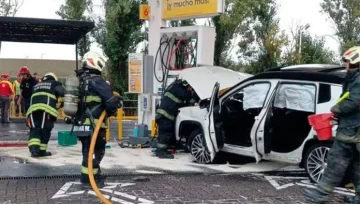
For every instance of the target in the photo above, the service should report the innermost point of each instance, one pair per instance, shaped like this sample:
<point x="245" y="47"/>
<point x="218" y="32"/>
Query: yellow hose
<point x="90" y="160"/>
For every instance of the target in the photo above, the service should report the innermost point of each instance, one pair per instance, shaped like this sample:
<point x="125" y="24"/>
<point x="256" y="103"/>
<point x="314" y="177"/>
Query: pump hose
<point x="90" y="160"/>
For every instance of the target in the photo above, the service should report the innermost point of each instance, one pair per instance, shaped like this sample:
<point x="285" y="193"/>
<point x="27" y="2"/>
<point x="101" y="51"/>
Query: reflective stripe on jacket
<point x="44" y="98"/>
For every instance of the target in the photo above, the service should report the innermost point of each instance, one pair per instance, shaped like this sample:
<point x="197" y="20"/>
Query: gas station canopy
<point x="34" y="30"/>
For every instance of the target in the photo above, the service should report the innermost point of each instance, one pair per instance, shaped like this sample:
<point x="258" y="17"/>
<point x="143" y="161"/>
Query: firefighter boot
<point x="316" y="196"/>
<point x="34" y="150"/>
<point x="44" y="153"/>
<point x="352" y="199"/>
<point x="163" y="154"/>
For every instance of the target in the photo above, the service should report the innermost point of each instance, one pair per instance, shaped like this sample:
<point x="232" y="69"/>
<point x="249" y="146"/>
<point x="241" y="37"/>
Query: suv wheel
<point x="316" y="160"/>
<point x="197" y="147"/>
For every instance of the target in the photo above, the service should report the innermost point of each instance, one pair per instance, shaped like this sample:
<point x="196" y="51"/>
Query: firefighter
<point x="345" y="150"/>
<point x="6" y="91"/>
<point x="179" y="94"/>
<point x="26" y="86"/>
<point x="42" y="113"/>
<point x="95" y="96"/>
<point x="16" y="87"/>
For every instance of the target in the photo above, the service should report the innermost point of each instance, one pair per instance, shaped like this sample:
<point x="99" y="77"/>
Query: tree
<point x="345" y="15"/>
<point x="75" y="10"/>
<point x="313" y="50"/>
<point x="10" y="7"/>
<point x="261" y="46"/>
<point x="122" y="35"/>
<point x="229" y="26"/>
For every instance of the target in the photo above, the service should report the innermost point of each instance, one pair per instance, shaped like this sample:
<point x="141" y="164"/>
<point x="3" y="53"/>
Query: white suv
<point x="264" y="117"/>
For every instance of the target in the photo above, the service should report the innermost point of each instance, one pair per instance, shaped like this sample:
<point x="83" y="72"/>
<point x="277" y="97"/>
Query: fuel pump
<point x="179" y="48"/>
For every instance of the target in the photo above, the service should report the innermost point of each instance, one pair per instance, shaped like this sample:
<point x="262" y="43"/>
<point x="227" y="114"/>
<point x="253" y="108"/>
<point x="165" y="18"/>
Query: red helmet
<point x="24" y="70"/>
<point x="5" y="75"/>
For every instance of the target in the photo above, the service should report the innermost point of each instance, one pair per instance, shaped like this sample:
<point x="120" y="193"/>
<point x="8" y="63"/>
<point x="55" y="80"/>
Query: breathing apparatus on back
<point x="75" y="89"/>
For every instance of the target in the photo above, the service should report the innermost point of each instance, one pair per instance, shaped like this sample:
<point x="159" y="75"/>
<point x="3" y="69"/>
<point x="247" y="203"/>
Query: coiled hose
<point x="90" y="160"/>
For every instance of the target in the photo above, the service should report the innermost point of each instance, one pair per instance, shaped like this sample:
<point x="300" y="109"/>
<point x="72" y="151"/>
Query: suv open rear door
<point x="212" y="131"/>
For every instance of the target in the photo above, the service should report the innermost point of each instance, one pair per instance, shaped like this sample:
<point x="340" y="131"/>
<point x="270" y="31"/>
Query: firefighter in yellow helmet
<point x="43" y="113"/>
<point x="345" y="151"/>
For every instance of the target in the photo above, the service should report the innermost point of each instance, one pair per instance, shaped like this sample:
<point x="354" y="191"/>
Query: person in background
<point x="16" y="87"/>
<point x="26" y="86"/>
<point x="35" y="75"/>
<point x="6" y="91"/>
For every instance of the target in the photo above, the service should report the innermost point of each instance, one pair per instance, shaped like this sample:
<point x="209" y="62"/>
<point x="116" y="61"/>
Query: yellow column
<point x="120" y="124"/>
<point x="108" y="130"/>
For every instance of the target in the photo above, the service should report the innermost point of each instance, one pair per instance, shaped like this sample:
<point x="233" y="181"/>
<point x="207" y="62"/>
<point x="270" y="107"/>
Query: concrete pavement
<point x="171" y="189"/>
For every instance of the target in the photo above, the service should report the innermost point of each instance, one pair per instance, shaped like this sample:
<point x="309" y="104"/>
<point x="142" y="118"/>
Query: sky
<point x="291" y="13"/>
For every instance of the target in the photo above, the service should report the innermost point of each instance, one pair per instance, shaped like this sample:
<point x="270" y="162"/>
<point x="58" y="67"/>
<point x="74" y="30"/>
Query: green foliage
<point x="261" y="46"/>
<point x="74" y="10"/>
<point x="10" y="7"/>
<point x="122" y="35"/>
<point x="313" y="51"/>
<point x="235" y="21"/>
<point x="345" y="14"/>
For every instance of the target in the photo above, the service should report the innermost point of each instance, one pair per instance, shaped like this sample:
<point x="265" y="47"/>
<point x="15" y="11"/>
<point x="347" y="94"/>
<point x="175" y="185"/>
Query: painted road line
<point x="120" y="196"/>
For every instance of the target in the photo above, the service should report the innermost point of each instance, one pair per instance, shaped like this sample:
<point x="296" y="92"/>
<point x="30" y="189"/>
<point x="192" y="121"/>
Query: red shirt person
<point x="6" y="91"/>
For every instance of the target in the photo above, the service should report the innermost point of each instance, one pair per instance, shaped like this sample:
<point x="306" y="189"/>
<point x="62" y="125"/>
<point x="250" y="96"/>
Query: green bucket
<point x="66" y="139"/>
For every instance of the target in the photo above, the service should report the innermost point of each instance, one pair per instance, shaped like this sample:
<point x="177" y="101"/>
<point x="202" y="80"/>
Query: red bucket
<point x="322" y="125"/>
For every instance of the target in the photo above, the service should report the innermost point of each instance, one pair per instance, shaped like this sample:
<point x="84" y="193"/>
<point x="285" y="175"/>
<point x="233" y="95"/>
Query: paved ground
<point x="220" y="189"/>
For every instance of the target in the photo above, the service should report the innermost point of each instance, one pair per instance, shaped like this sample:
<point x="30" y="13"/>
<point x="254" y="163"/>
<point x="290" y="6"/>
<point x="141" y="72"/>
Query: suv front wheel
<point x="197" y="147"/>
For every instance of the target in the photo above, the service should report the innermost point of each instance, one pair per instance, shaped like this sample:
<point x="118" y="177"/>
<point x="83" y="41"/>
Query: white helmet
<point x="50" y="74"/>
<point x="93" y="60"/>
<point x="352" y="55"/>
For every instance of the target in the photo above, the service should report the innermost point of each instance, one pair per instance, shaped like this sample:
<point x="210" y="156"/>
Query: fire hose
<point x="90" y="160"/>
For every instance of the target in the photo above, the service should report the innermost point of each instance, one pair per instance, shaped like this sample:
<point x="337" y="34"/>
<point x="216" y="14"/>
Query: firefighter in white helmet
<point x="345" y="151"/>
<point x="95" y="96"/>
<point x="42" y="113"/>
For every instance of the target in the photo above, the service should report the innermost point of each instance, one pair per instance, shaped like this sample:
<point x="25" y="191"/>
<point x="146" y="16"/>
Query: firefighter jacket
<point x="96" y="96"/>
<point x="45" y="96"/>
<point x="176" y="96"/>
<point x="347" y="109"/>
<point x="6" y="88"/>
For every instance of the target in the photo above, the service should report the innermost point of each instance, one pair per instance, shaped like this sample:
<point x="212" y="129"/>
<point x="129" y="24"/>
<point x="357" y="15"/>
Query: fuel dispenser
<point x="179" y="48"/>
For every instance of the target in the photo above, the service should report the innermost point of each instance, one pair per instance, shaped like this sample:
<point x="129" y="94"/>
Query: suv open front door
<point x="212" y="133"/>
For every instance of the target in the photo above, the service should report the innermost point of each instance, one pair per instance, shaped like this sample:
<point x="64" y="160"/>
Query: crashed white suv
<point x="264" y="117"/>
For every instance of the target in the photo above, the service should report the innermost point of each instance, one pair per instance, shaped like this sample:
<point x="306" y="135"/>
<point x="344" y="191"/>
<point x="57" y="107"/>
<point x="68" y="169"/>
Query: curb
<point x="13" y="143"/>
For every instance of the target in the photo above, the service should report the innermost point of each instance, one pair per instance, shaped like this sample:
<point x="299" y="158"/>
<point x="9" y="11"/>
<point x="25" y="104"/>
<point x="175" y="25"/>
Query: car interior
<point x="287" y="123"/>
<point x="238" y="117"/>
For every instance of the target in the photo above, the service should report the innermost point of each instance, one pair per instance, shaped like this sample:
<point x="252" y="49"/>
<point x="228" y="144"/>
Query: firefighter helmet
<point x="352" y="55"/>
<point x="24" y="70"/>
<point x="93" y="60"/>
<point x="50" y="75"/>
<point x="5" y="75"/>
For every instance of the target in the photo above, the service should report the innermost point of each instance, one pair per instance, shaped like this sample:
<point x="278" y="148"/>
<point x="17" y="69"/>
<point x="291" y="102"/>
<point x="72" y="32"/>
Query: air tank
<point x="72" y="93"/>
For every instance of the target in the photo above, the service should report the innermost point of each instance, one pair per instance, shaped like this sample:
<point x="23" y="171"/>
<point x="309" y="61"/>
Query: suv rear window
<point x="324" y="93"/>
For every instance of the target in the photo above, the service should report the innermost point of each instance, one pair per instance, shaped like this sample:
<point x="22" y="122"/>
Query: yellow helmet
<point x="352" y="55"/>
<point x="50" y="74"/>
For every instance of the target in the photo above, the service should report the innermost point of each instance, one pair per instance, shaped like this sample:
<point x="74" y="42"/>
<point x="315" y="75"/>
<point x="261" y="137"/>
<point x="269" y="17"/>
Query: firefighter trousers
<point x="166" y="137"/>
<point x="41" y="124"/>
<point x="341" y="156"/>
<point x="4" y="108"/>
<point x="99" y="152"/>
<point x="25" y="104"/>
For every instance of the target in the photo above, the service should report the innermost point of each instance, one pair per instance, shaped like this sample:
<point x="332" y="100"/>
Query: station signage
<point x="189" y="9"/>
